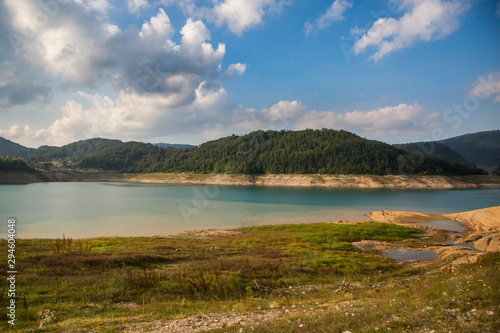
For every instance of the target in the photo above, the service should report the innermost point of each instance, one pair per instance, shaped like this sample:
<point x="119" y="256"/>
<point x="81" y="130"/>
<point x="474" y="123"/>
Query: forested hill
<point x="12" y="149"/>
<point x="481" y="149"/>
<point x="8" y="164"/>
<point x="74" y="152"/>
<point x="274" y="152"/>
<point x="435" y="149"/>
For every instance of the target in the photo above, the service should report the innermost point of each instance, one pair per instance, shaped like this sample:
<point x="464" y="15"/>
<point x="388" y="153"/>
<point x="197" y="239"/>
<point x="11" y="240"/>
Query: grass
<point x="114" y="283"/>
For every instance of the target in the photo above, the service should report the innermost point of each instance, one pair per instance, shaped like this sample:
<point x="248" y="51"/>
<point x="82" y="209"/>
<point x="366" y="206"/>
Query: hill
<point x="12" y="149"/>
<point x="481" y="149"/>
<point x="173" y="145"/>
<point x="435" y="149"/>
<point x="8" y="164"/>
<point x="71" y="153"/>
<point x="274" y="152"/>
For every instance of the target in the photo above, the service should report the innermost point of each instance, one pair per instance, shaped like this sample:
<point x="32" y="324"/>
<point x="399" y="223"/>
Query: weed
<point x="61" y="245"/>
<point x="84" y="248"/>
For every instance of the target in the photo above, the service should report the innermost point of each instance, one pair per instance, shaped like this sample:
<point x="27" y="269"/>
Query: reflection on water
<point x="402" y="255"/>
<point x="447" y="225"/>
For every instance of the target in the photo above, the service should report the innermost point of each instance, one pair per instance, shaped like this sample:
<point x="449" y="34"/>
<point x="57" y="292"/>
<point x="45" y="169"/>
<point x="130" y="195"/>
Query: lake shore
<point x="299" y="180"/>
<point x="482" y="231"/>
<point x="271" y="278"/>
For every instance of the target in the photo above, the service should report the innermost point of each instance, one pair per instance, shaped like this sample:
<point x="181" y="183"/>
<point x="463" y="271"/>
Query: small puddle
<point x="452" y="226"/>
<point x="447" y="225"/>
<point x="470" y="246"/>
<point x="402" y="255"/>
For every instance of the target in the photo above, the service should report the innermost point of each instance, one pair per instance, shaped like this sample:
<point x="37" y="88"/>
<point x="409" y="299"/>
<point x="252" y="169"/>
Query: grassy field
<point x="281" y="278"/>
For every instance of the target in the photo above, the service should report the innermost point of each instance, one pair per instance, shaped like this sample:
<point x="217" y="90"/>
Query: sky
<point x="189" y="71"/>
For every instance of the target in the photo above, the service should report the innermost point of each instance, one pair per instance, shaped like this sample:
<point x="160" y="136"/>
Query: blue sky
<point x="190" y="71"/>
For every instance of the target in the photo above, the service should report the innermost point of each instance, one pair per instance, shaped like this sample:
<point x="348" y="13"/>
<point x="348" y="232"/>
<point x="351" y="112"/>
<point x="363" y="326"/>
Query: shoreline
<point x="293" y="180"/>
<point x="482" y="230"/>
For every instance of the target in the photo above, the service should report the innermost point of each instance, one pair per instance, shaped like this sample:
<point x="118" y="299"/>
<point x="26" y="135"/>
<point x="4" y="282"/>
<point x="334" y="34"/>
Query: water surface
<point x="447" y="225"/>
<point x="80" y="210"/>
<point x="402" y="255"/>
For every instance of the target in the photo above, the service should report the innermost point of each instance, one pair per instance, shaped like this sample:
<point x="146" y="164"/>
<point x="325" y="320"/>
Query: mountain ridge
<point x="261" y="152"/>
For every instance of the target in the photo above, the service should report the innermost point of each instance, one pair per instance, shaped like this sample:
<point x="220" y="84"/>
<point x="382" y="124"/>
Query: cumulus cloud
<point x="238" y="15"/>
<point x="154" y="77"/>
<point x="235" y="70"/>
<point x="16" y="132"/>
<point x="284" y="111"/>
<point x="424" y="20"/>
<point x="86" y="51"/>
<point x="334" y="13"/>
<point x="487" y="86"/>
<point x="382" y="122"/>
<point x="135" y="6"/>
<point x="97" y="5"/>
<point x="16" y="88"/>
<point x="158" y="25"/>
<point x="135" y="115"/>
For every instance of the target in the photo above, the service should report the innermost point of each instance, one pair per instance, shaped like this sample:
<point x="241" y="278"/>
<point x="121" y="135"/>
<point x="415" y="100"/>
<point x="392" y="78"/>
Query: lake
<point x="81" y="209"/>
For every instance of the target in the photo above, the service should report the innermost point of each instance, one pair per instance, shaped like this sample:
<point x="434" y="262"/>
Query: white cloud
<point x="486" y="86"/>
<point x="105" y="117"/>
<point x="284" y="111"/>
<point x="334" y="13"/>
<point x="16" y="132"/>
<point x="240" y="15"/>
<point x="382" y="122"/>
<point x="424" y="20"/>
<point x="235" y="70"/>
<point x="158" y="25"/>
<point x="97" y="5"/>
<point x="135" y="6"/>
<point x="160" y="85"/>
<point x="86" y="51"/>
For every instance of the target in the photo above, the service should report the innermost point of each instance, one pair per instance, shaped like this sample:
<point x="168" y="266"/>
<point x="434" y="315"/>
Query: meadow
<point x="279" y="278"/>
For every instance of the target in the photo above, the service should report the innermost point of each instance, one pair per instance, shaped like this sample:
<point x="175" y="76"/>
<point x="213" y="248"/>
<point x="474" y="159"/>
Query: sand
<point x="483" y="228"/>
<point x="314" y="180"/>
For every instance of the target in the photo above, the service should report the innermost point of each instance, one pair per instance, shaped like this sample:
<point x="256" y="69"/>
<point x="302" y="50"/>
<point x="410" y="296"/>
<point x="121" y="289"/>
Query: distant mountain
<point x="71" y="153"/>
<point x="173" y="145"/>
<point x="435" y="149"/>
<point x="275" y="152"/>
<point x="12" y="149"/>
<point x="481" y="149"/>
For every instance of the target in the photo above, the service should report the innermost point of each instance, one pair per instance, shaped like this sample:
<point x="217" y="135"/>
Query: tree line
<point x="323" y="151"/>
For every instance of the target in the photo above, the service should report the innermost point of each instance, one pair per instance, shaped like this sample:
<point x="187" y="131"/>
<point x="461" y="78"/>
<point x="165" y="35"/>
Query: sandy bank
<point x="483" y="226"/>
<point x="347" y="181"/>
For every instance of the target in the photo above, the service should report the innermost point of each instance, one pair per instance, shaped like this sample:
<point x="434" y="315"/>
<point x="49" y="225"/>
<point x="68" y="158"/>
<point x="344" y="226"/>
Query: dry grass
<point x="111" y="282"/>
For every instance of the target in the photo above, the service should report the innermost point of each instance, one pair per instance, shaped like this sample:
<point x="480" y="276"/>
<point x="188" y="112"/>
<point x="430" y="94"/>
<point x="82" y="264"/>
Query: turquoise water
<point x="81" y="210"/>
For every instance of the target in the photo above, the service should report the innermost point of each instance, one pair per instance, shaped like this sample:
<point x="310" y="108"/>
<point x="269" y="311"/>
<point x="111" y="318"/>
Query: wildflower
<point x="46" y="317"/>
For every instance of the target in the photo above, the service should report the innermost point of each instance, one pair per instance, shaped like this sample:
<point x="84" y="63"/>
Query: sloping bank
<point x="354" y="181"/>
<point x="483" y="225"/>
